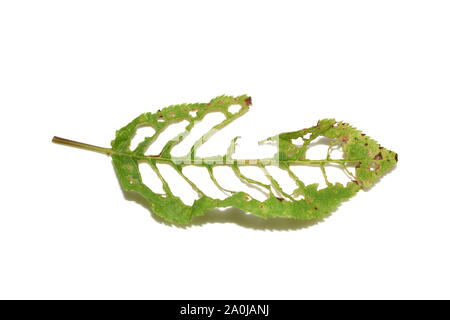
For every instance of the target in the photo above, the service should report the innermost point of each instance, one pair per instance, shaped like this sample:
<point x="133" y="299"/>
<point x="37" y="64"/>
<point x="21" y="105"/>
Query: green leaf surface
<point x="369" y="160"/>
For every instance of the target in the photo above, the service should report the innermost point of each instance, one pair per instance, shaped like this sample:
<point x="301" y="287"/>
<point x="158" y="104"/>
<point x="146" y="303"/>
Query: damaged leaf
<point x="364" y="155"/>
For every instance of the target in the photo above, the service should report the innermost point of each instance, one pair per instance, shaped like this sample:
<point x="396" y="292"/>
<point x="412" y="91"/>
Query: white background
<point x="82" y="69"/>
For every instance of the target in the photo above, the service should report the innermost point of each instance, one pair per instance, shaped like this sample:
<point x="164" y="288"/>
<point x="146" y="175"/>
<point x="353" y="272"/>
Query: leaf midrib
<point x="216" y="160"/>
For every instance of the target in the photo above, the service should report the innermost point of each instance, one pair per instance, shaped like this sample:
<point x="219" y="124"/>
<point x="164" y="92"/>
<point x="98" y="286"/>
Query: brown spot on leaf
<point x="363" y="134"/>
<point x="358" y="165"/>
<point x="356" y="182"/>
<point x="378" y="156"/>
<point x="156" y="155"/>
<point x="345" y="139"/>
<point x="128" y="167"/>
<point x="396" y="157"/>
<point x="248" y="101"/>
<point x="280" y="199"/>
<point x="366" y="144"/>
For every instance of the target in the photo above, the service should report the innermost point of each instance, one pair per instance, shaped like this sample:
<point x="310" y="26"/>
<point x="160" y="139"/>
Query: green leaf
<point x="369" y="160"/>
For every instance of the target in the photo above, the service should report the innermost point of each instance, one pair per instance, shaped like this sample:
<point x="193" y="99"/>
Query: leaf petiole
<point x="82" y="145"/>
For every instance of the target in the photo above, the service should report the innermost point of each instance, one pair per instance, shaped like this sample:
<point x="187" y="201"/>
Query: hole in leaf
<point x="193" y="114"/>
<point x="199" y="129"/>
<point x="351" y="169"/>
<point x="310" y="175"/>
<point x="298" y="196"/>
<point x="179" y="186"/>
<point x="248" y="147"/>
<point x="335" y="174"/>
<point x="228" y="180"/>
<point x="298" y="142"/>
<point x="317" y="152"/>
<point x="150" y="178"/>
<point x="200" y="177"/>
<point x="141" y="133"/>
<point x="286" y="183"/>
<point x="171" y="132"/>
<point x="255" y="173"/>
<point x="307" y="136"/>
<point x="234" y="108"/>
<point x="337" y="153"/>
<point x="318" y="148"/>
